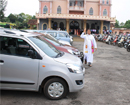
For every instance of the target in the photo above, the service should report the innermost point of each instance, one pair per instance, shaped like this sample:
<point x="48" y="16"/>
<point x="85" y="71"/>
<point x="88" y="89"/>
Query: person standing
<point x="89" y="46"/>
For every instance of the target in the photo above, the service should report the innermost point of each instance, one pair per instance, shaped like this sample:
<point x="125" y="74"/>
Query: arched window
<point x="105" y="12"/>
<point x="91" y="11"/>
<point x="92" y="26"/>
<point x="107" y="1"/>
<point x="45" y="10"/>
<point x="103" y="2"/>
<point x="74" y="25"/>
<point x="55" y="26"/>
<point x="87" y="26"/>
<point x="104" y="28"/>
<point x="61" y="25"/>
<point x="58" y="10"/>
<point x="44" y="26"/>
<point x="70" y="3"/>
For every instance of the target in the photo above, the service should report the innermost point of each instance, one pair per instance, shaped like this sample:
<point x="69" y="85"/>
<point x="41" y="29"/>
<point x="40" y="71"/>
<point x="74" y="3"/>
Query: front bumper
<point x="76" y="81"/>
<point x="71" y="41"/>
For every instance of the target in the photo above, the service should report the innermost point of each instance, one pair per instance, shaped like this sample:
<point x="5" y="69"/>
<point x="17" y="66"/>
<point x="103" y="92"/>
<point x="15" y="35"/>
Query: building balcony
<point x="76" y="8"/>
<point x="75" y="16"/>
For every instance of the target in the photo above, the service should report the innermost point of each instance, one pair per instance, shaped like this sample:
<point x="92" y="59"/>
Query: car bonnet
<point x="69" y="59"/>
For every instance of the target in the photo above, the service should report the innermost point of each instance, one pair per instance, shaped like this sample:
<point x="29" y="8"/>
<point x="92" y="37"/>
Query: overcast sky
<point x="120" y="8"/>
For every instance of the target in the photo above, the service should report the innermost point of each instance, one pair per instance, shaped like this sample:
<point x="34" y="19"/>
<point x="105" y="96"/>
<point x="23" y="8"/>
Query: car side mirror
<point x="31" y="54"/>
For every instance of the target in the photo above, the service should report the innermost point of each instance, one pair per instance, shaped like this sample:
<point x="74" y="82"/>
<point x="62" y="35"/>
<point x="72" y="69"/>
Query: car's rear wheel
<point x="55" y="89"/>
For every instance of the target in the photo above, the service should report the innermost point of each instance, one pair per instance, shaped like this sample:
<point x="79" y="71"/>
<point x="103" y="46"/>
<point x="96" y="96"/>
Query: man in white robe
<point x="89" y="46"/>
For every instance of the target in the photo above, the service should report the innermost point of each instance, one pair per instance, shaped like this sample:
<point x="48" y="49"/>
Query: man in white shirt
<point x="89" y="46"/>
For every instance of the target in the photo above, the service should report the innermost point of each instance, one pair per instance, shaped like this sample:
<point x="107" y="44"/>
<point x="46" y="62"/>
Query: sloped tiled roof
<point x="32" y="22"/>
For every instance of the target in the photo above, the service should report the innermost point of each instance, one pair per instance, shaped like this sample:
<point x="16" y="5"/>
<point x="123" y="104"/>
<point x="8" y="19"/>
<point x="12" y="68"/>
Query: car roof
<point x="52" y="30"/>
<point x="17" y="33"/>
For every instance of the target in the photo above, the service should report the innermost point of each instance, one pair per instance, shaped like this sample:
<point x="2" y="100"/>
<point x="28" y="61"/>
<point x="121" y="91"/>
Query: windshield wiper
<point x="59" y="54"/>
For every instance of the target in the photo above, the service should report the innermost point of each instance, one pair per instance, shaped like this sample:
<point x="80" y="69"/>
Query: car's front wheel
<point x="55" y="89"/>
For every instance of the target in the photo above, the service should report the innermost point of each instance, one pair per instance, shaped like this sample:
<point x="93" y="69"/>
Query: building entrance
<point x="74" y="27"/>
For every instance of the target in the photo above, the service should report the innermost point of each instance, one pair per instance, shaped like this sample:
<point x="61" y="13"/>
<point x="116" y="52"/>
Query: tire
<point x="119" y="45"/>
<point x="125" y="46"/>
<point x="114" y="43"/>
<point x="49" y="87"/>
<point x="109" y="42"/>
<point x="128" y="49"/>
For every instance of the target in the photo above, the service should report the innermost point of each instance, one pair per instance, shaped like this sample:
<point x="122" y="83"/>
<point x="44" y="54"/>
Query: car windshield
<point x="67" y="34"/>
<point x="52" y="40"/>
<point x="46" y="47"/>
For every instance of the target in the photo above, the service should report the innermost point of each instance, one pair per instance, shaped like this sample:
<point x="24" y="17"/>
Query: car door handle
<point x="1" y="61"/>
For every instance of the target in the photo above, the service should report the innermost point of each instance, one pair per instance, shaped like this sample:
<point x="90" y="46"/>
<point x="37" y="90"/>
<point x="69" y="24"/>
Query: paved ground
<point x="106" y="83"/>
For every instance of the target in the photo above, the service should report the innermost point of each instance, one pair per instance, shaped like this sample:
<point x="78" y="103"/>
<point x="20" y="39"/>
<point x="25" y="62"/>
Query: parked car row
<point x="62" y="36"/>
<point x="116" y="40"/>
<point x="35" y="61"/>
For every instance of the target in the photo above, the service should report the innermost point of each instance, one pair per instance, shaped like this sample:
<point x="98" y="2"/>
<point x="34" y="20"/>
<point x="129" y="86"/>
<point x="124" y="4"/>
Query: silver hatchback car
<point x="28" y="62"/>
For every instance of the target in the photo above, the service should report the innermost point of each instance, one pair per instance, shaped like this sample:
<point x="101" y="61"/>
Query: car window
<point x="54" y="34"/>
<point x="62" y="34"/>
<point x="45" y="46"/>
<point x="14" y="46"/>
<point x="51" y="39"/>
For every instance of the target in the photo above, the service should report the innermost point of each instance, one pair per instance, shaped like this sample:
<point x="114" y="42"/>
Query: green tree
<point x="3" y="4"/>
<point x="12" y="18"/>
<point x="127" y="24"/>
<point x="117" y="24"/>
<point x="122" y="24"/>
<point x="33" y="17"/>
<point x="6" y="19"/>
<point x="20" y="20"/>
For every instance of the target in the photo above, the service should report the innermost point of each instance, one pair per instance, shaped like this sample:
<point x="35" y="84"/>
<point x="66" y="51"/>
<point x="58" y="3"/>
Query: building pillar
<point x="84" y="24"/>
<point x="101" y="28"/>
<point x="49" y="23"/>
<point x="30" y="27"/>
<point x="38" y="24"/>
<point x="67" y="25"/>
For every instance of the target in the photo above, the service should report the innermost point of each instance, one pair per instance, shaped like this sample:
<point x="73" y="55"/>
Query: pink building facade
<point x="74" y="14"/>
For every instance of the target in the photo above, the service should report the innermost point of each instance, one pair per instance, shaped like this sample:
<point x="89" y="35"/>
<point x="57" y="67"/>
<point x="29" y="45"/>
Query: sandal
<point x="85" y="61"/>
<point x="89" y="64"/>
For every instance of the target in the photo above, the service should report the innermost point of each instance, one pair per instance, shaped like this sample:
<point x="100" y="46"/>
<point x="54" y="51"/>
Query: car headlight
<point x="73" y="52"/>
<point x="74" y="68"/>
<point x="70" y="51"/>
<point x="77" y="53"/>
